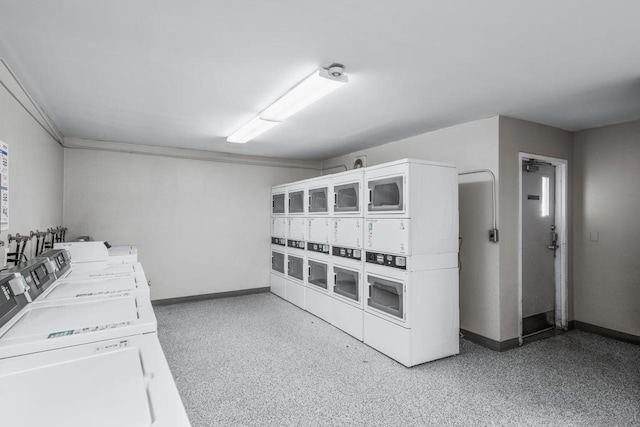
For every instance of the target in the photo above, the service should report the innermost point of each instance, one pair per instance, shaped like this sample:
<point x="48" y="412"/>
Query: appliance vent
<point x="360" y="162"/>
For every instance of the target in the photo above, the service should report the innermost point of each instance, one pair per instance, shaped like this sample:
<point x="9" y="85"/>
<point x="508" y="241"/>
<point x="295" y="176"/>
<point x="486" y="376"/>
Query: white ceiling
<point x="186" y="73"/>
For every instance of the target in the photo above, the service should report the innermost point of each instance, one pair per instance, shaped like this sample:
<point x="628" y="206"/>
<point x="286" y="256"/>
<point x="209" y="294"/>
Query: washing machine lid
<point x="114" y="383"/>
<point x="105" y="287"/>
<point x="84" y="272"/>
<point x="40" y="327"/>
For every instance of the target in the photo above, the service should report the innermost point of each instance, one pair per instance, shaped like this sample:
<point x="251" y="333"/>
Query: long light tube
<point x="251" y="129"/>
<point x="316" y="86"/>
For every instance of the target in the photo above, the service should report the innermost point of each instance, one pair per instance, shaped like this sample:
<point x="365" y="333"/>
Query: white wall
<point x="35" y="169"/>
<point x="521" y="136"/>
<point x="607" y="202"/>
<point x="200" y="226"/>
<point x="469" y="146"/>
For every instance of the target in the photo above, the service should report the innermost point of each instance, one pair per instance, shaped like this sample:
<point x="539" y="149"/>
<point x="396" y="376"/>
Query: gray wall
<point x="469" y="146"/>
<point x="518" y="136"/>
<point x="200" y="226"/>
<point x="35" y="169"/>
<point x="607" y="201"/>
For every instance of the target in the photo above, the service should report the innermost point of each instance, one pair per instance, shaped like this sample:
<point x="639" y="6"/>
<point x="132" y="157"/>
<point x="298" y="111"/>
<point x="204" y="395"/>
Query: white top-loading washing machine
<point x="70" y="290"/>
<point x="55" y="324"/>
<point x="122" y="254"/>
<point x="117" y="382"/>
<point x="84" y="272"/>
<point x="95" y="363"/>
<point x="97" y="251"/>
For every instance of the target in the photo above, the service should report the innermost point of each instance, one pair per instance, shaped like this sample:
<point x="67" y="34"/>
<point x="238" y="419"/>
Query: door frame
<point x="561" y="223"/>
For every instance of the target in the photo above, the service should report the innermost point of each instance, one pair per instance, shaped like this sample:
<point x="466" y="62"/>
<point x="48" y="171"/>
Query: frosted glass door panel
<point x="296" y="267"/>
<point x="347" y="283"/>
<point x="318" y="200"/>
<point x="296" y="202"/>
<point x="277" y="204"/>
<point x="347" y="198"/>
<point x="277" y="261"/>
<point x="318" y="274"/>
<point x="386" y="194"/>
<point x="386" y="295"/>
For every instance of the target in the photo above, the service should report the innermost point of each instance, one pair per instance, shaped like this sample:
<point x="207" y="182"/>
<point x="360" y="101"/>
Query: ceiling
<point x="186" y="73"/>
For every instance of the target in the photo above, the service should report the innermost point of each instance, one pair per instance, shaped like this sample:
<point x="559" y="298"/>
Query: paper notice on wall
<point x="4" y="187"/>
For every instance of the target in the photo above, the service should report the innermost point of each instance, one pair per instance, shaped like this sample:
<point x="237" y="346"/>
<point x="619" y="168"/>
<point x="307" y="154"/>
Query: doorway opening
<point x="543" y="257"/>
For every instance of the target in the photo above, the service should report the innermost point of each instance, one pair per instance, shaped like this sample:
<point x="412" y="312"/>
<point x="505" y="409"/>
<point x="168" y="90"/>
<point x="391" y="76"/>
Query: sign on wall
<point x="4" y="187"/>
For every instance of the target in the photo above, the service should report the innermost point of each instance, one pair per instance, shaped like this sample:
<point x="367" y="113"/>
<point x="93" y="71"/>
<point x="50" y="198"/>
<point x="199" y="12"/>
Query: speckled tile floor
<point x="257" y="360"/>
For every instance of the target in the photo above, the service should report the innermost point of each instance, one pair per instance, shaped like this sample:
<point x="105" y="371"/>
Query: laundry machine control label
<point x="298" y="244"/>
<point x="68" y="332"/>
<point x="387" y="260"/>
<point x="347" y="252"/>
<point x="318" y="247"/>
<point x="278" y="241"/>
<point x="113" y="346"/>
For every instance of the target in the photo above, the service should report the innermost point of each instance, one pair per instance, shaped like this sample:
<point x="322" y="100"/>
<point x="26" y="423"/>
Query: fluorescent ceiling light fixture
<point x="316" y="86"/>
<point x="251" y="129"/>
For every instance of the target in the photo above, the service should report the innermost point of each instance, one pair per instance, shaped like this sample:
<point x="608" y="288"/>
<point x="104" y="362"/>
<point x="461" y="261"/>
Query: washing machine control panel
<point x="347" y="253"/>
<point x="280" y="241"/>
<point x="298" y="244"/>
<point x="318" y="247"/>
<point x="387" y="260"/>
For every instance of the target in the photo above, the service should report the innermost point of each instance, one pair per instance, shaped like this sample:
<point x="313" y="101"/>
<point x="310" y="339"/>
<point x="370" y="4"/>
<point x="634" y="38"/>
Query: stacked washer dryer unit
<point x="411" y="271"/>
<point x="278" y="240"/>
<point x="319" y="280"/>
<point x="347" y="255"/>
<point x="296" y="271"/>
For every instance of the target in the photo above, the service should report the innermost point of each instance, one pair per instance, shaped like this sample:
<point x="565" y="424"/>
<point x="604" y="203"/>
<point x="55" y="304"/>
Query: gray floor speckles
<point x="257" y="360"/>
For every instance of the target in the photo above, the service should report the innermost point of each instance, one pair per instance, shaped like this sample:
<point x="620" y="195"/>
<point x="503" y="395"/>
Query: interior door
<point x="539" y="246"/>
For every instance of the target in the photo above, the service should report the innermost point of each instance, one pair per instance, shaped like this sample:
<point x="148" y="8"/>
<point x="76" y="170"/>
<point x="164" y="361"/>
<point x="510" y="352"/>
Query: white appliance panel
<point x="278" y="286"/>
<point x="388" y="235"/>
<point x="318" y="303"/>
<point x="348" y="232"/>
<point x="319" y="230"/>
<point x="347" y="318"/>
<point x="297" y="229"/>
<point x="295" y="293"/>
<point x="279" y="227"/>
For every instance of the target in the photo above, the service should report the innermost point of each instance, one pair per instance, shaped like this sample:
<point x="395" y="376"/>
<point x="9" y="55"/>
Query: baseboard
<point x="489" y="343"/>
<point x="192" y="298"/>
<point x="605" y="332"/>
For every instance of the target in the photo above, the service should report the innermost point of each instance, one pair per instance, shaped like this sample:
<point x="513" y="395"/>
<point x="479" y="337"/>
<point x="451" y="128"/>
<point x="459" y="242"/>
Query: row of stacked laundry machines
<point x="374" y="252"/>
<point x="79" y="343"/>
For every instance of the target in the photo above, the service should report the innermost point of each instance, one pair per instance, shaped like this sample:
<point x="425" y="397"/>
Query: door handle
<point x="554" y="242"/>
